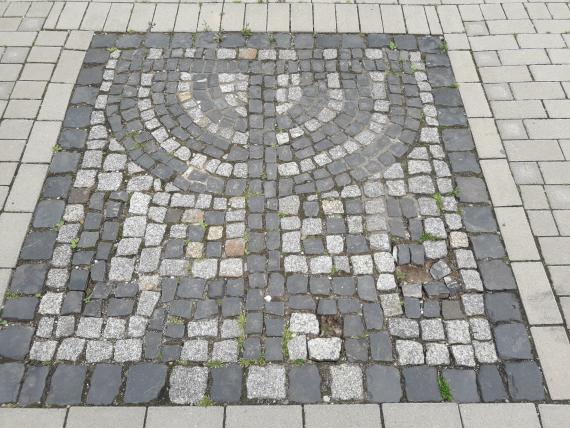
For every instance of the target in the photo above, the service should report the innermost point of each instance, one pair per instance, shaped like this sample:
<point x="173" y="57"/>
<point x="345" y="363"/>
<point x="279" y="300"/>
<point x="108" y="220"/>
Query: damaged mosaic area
<point x="271" y="218"/>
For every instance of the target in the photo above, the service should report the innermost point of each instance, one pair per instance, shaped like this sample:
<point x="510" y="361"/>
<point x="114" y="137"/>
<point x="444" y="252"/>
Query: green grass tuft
<point x="444" y="389"/>
<point x="426" y="236"/>
<point x="205" y="402"/>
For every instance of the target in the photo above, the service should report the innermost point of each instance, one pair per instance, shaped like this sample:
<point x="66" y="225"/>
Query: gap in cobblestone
<point x="285" y="218"/>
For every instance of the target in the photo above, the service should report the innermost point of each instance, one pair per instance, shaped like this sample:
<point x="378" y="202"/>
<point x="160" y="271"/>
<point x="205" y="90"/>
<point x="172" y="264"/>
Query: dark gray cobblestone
<point x="281" y="218"/>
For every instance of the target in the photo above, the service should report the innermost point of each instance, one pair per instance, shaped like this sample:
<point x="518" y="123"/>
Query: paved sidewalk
<point x="511" y="63"/>
<point x="308" y="416"/>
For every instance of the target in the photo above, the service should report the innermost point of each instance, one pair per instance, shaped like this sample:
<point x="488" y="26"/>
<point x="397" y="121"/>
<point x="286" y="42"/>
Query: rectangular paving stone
<point x="39" y="10"/>
<point x="503" y="415"/>
<point x="28" y="90"/>
<point x="554" y="415"/>
<point x="28" y="418"/>
<point x="301" y="17"/>
<point x="43" y="54"/>
<point x="515" y="11"/>
<point x="257" y="416"/>
<point x="500" y="182"/>
<point x="71" y="16"/>
<point x="13" y="227"/>
<point x="506" y="73"/>
<point x="10" y="72"/>
<point x="118" y="17"/>
<point x="559" y="56"/>
<point x="79" y="40"/>
<point x="210" y="14"/>
<point x="354" y="415"/>
<point x="51" y="38"/>
<point x="547" y="128"/>
<point x="518" y="109"/>
<point x="22" y="109"/>
<point x="536" y="293"/>
<point x="492" y="11"/>
<point x="549" y="72"/>
<point x="557" y="108"/>
<point x="510" y="26"/>
<point x="542" y="223"/>
<point x="142" y="15"/>
<point x="95" y="16"/>
<point x="486" y="137"/>
<point x="232" y="19"/>
<point x="555" y="172"/>
<point x="493" y="43"/>
<point x="533" y="150"/>
<point x="68" y="66"/>
<point x="255" y="17"/>
<point x="433" y="20"/>
<point x="187" y="18"/>
<point x="540" y="40"/>
<point x="558" y="196"/>
<point x="450" y="19"/>
<point x="109" y="416"/>
<point x="555" y="250"/>
<point x="370" y="18"/>
<point x="393" y="18"/>
<point x="179" y="417"/>
<point x="537" y="90"/>
<point x="516" y="233"/>
<point x="20" y="38"/>
<point x="17" y="9"/>
<point x="416" y="21"/>
<point x="55" y="101"/>
<point x="553" y="350"/>
<point x="53" y="16"/>
<point x="278" y="17"/>
<point x="41" y="142"/>
<point x="400" y="415"/>
<point x="165" y="17"/>
<point x="26" y="188"/>
<point x="463" y="67"/>
<point x="347" y="18"/>
<point x="325" y="18"/>
<point x="474" y="100"/>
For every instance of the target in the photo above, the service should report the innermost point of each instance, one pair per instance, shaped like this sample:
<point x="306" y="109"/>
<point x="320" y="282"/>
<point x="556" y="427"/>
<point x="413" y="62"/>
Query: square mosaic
<point x="274" y="218"/>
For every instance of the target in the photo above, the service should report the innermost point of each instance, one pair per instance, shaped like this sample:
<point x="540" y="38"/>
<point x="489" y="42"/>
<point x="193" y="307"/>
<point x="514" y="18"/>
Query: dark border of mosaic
<point x="31" y="384"/>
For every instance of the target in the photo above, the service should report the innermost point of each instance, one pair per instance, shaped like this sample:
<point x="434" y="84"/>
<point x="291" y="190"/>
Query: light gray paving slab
<point x="536" y="293"/>
<point x="91" y="417"/>
<point x="13" y="227"/>
<point x="184" y="416"/>
<point x="516" y="233"/>
<point x="28" y="418"/>
<point x="26" y="188"/>
<point x="258" y="416"/>
<point x="118" y="17"/>
<point x="43" y="138"/>
<point x="554" y="350"/>
<point x="432" y="415"/>
<point x="500" y="183"/>
<point x="342" y="415"/>
<point x="187" y="18"/>
<point x="554" y="415"/>
<point x="499" y="415"/>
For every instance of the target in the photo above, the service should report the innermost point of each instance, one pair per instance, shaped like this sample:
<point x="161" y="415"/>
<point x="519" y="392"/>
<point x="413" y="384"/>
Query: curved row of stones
<point x="297" y="275"/>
